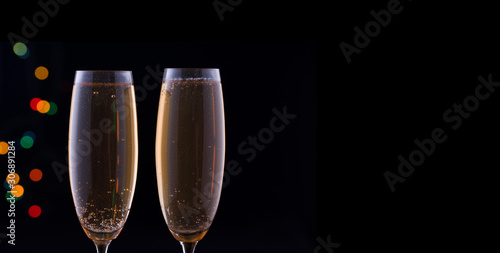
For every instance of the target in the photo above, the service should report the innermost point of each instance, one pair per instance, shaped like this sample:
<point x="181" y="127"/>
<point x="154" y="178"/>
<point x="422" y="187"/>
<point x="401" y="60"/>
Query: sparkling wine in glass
<point x="190" y="146"/>
<point x="103" y="152"/>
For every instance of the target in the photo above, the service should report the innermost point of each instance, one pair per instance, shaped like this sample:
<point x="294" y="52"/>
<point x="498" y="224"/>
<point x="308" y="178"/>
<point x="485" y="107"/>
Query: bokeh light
<point x="36" y="175"/>
<point x="4" y="147"/>
<point x="17" y="190"/>
<point x="52" y="108"/>
<point x="34" y="211"/>
<point x="30" y="134"/>
<point x="12" y="176"/>
<point x="21" y="50"/>
<point x="27" y="142"/>
<point x="43" y="106"/>
<point x="34" y="103"/>
<point x="41" y="73"/>
<point x="7" y="197"/>
<point x="6" y="185"/>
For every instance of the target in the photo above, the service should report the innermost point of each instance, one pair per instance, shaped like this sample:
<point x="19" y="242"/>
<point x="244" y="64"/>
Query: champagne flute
<point x="190" y="146"/>
<point x="103" y="152"/>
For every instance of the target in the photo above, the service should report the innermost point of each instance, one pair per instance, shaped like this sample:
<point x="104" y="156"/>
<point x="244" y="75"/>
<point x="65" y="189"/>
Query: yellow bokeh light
<point x="43" y="106"/>
<point x="17" y="191"/>
<point x="41" y="73"/>
<point x="12" y="178"/>
<point x="20" y="49"/>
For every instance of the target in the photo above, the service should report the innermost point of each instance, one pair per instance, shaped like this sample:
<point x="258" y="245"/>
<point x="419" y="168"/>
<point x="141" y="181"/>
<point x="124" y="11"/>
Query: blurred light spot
<point x="6" y="185"/>
<point x="20" y="49"/>
<point x="34" y="103"/>
<point x="12" y="176"/>
<point x="30" y="134"/>
<point x="17" y="191"/>
<point x="4" y="147"/>
<point x="36" y="175"/>
<point x="27" y="142"/>
<point x="52" y="108"/>
<point x="8" y="197"/>
<point x="41" y="73"/>
<point x="34" y="211"/>
<point x="43" y="106"/>
<point x="26" y="55"/>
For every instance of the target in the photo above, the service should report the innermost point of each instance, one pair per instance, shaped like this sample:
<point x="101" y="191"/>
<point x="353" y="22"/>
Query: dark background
<point x="270" y="203"/>
<point x="322" y="178"/>
<point x="273" y="198"/>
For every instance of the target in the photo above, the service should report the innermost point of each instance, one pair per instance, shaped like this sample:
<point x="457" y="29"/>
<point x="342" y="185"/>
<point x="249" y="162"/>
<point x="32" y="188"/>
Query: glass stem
<point x="188" y="247"/>
<point x="102" y="246"/>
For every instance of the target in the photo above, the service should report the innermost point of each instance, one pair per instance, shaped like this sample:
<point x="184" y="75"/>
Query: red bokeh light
<point x="35" y="211"/>
<point x="33" y="103"/>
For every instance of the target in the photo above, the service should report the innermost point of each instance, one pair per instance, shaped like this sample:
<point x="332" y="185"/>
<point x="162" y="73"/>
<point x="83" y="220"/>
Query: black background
<point x="322" y="178"/>
<point x="271" y="202"/>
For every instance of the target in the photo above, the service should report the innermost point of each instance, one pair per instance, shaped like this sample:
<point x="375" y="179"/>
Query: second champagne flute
<point x="190" y="146"/>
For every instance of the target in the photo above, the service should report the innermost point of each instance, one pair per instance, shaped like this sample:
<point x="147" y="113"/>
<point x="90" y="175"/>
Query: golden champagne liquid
<point x="103" y="156"/>
<point x="190" y="146"/>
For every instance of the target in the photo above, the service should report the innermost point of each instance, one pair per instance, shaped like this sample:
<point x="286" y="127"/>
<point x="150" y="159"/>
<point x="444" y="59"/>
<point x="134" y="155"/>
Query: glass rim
<point x="193" y="68"/>
<point x="191" y="75"/>
<point x="106" y="77"/>
<point x="102" y="71"/>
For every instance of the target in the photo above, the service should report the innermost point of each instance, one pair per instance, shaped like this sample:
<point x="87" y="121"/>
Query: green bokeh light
<point x="8" y="197"/>
<point x="53" y="108"/>
<point x="27" y="142"/>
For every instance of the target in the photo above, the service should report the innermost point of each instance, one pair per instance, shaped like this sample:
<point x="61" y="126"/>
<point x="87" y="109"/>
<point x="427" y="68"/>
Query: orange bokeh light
<point x="41" y="73"/>
<point x="4" y="148"/>
<point x="12" y="178"/>
<point x="36" y="175"/>
<point x="17" y="191"/>
<point x="43" y="106"/>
